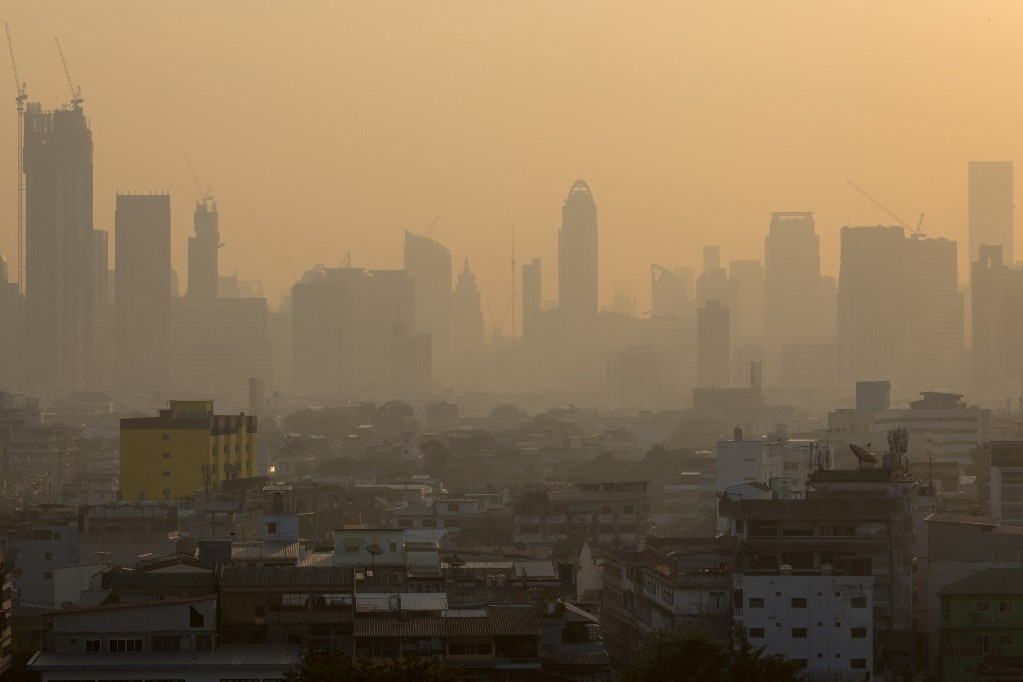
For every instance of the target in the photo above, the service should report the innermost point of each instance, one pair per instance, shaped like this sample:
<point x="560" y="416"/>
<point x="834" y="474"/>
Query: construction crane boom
<point x="206" y="194"/>
<point x="915" y="231"/>
<point x="76" y="90"/>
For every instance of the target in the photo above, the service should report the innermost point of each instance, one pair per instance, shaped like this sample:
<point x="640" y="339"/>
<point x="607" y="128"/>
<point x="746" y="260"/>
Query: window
<point x="294" y="600"/>
<point x="48" y="575"/>
<point x="1006" y="640"/>
<point x="166" y="455"/>
<point x="1006" y="606"/>
<point x="798" y="633"/>
<point x="93" y="645"/>
<point x="166" y="643"/>
<point x="858" y="602"/>
<point x="756" y="633"/>
<point x="48" y="556"/>
<point x="858" y="633"/>
<point x="858" y="663"/>
<point x="453" y="523"/>
<point x="470" y="649"/>
<point x="983" y="606"/>
<point x="756" y="602"/>
<point x="125" y="645"/>
<point x="429" y="523"/>
<point x="195" y="617"/>
<point x="204" y="642"/>
<point x="453" y="507"/>
<point x="166" y="474"/>
<point x="166" y="436"/>
<point x="799" y="602"/>
<point x="271" y="528"/>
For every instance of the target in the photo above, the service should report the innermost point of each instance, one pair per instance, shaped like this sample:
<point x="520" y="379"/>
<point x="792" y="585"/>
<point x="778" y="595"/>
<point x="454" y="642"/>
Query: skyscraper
<point x="59" y="246"/>
<point x="990" y="185"/>
<point x="668" y="293"/>
<point x="203" y="247"/>
<point x="531" y="298"/>
<point x="466" y="313"/>
<point x="792" y="273"/>
<point x="900" y="313"/>
<point x="12" y="332"/>
<point x="142" y="259"/>
<point x="577" y="254"/>
<point x="428" y="262"/>
<point x="748" y="278"/>
<point x="713" y="345"/>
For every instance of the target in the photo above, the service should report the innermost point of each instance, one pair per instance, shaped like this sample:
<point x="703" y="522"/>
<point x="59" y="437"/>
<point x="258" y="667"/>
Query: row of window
<point x="159" y="643"/>
<point x="854" y="663"/>
<point x="854" y="602"/>
<point x="1003" y="606"/>
<point x="801" y="633"/>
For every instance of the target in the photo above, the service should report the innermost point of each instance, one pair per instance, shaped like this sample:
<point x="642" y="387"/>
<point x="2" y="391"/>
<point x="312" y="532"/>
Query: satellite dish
<point x="863" y="454"/>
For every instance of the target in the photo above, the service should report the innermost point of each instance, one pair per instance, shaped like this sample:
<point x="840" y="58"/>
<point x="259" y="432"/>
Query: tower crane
<point x="206" y="194"/>
<point x="915" y="232"/>
<point x="20" y="99"/>
<point x="73" y="86"/>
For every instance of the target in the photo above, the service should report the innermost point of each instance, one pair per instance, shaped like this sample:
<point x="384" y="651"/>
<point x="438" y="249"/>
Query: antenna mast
<point x="20" y="99"/>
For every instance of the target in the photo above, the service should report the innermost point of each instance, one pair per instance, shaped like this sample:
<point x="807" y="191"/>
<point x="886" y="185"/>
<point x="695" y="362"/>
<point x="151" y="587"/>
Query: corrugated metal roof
<point x="175" y="580"/>
<point x="224" y="658"/>
<point x="286" y="576"/>
<point x="992" y="581"/>
<point x="499" y="621"/>
<point x="406" y="601"/>
<point x="576" y="658"/>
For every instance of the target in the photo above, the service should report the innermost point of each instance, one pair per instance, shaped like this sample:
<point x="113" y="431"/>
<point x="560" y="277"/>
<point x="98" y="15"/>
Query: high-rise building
<point x="142" y="245"/>
<point x="748" y="276"/>
<point x="203" y="247"/>
<point x="792" y="274"/>
<point x="577" y="254"/>
<point x="59" y="247"/>
<point x="185" y="449"/>
<point x="354" y="334"/>
<point x="428" y="263"/>
<point x="466" y="313"/>
<point x="531" y="298"/>
<point x="997" y="295"/>
<point x="990" y="186"/>
<point x="12" y="332"/>
<point x="713" y="345"/>
<point x="668" y="292"/>
<point x="900" y="313"/>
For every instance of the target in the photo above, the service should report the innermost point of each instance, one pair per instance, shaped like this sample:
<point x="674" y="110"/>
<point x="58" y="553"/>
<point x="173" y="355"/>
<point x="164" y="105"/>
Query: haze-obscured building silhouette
<point x="353" y="333"/>
<point x="996" y="290"/>
<point x="713" y="345"/>
<point x="668" y="292"/>
<point x="142" y="246"/>
<point x="748" y="277"/>
<point x="990" y="189"/>
<point x="428" y="263"/>
<point x="532" y="298"/>
<point x="577" y="254"/>
<point x="12" y="331"/>
<point x="466" y="313"/>
<point x="203" y="247"/>
<point x="792" y="280"/>
<point x="900" y="313"/>
<point x="59" y="247"/>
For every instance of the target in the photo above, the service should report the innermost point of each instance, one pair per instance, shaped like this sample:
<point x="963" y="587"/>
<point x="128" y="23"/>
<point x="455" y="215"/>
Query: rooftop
<point x="989" y="581"/>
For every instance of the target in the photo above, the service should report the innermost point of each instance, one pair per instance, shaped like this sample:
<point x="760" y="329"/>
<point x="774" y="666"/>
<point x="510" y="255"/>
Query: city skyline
<point x="834" y="126"/>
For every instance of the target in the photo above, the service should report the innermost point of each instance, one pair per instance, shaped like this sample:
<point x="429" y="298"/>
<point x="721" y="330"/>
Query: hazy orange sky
<point x="326" y="127"/>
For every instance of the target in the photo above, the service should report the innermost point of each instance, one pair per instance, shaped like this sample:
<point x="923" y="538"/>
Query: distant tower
<point x="531" y="297"/>
<point x="713" y="345"/>
<point x="668" y="293"/>
<point x="59" y="243"/>
<point x="142" y="260"/>
<point x="991" y="208"/>
<point x="203" y="247"/>
<point x="577" y="254"/>
<point x="428" y="262"/>
<point x="792" y="280"/>
<point x="466" y="313"/>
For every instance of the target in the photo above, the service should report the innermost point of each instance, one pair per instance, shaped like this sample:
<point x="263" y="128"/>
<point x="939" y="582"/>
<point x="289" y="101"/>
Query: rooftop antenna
<point x="20" y="99"/>
<point x="72" y="84"/>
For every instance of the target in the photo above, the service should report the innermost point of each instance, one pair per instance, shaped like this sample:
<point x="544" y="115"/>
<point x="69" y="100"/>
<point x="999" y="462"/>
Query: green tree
<point x="692" y="656"/>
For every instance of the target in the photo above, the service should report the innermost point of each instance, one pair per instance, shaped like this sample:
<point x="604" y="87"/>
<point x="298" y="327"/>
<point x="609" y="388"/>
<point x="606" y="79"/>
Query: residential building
<point x="1006" y="500"/>
<point x="982" y="626"/>
<point x="941" y="426"/>
<point x="606" y="513"/>
<point x="184" y="449"/>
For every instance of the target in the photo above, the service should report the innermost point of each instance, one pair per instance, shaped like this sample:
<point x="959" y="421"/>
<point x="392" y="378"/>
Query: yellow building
<point x="186" y="448"/>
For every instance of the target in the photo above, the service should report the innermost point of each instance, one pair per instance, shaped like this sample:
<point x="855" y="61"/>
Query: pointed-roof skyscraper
<point x="577" y="253"/>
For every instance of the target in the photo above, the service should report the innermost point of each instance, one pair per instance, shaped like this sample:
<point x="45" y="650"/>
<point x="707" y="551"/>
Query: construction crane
<point x="431" y="227"/>
<point x="915" y="232"/>
<point x="72" y="84"/>
<point x="206" y="194"/>
<point x="20" y="99"/>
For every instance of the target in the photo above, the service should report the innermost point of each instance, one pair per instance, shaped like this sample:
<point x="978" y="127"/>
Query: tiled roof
<point x="993" y="581"/>
<point x="174" y="580"/>
<point x="287" y="576"/>
<point x="499" y="621"/>
<point x="573" y="658"/>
